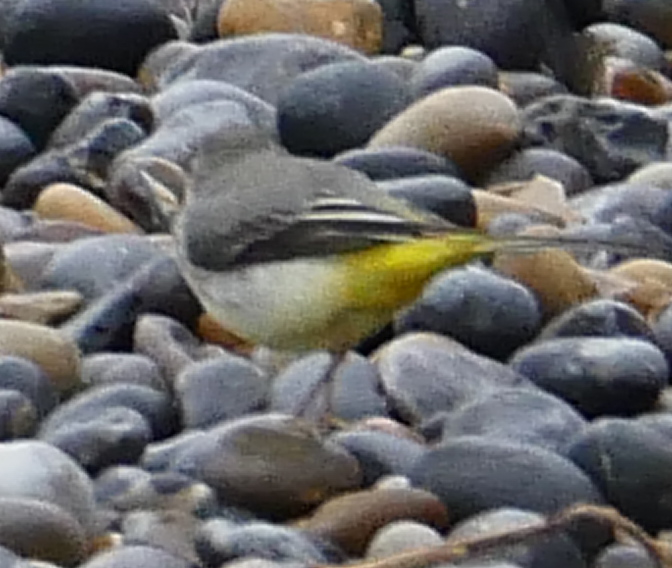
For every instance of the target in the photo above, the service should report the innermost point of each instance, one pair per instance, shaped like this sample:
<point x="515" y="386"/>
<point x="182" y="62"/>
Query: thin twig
<point x="462" y="549"/>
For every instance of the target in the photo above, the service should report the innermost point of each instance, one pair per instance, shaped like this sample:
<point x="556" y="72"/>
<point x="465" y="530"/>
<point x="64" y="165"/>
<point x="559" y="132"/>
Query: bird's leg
<point x="326" y="384"/>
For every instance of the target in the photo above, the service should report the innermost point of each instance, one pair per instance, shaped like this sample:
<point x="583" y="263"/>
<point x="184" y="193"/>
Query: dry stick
<point x="461" y="549"/>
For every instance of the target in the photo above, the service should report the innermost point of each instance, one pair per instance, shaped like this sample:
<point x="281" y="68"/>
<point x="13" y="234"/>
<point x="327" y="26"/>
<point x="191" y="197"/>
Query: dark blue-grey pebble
<point x="617" y="376"/>
<point x="425" y="374"/>
<point x="599" y="318"/>
<point x="524" y="87"/>
<point x="156" y="407"/>
<point x="350" y="393"/>
<point x="529" y="162"/>
<point x="447" y="197"/>
<point x="219" y="389"/>
<point x="36" y="100"/>
<point x="15" y="148"/>
<point x="556" y="550"/>
<point x="380" y="453"/>
<point x="338" y="107"/>
<point x="611" y="139"/>
<point x="381" y="164"/>
<point x="219" y="541"/>
<point x="452" y="66"/>
<point x="489" y="313"/>
<point x="662" y="331"/>
<point x="114" y="36"/>
<point x="92" y="266"/>
<point x="623" y="556"/>
<point x="161" y="456"/>
<point x="517" y="415"/>
<point x="136" y="556"/>
<point x="29" y="379"/>
<point x="629" y="462"/>
<point x="107" y="368"/>
<point x="115" y="435"/>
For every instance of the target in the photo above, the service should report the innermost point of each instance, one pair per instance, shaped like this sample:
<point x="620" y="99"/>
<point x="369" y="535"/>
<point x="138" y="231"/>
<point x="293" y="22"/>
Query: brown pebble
<point x="56" y="354"/>
<point x="40" y="307"/>
<point x="648" y="284"/>
<point x="491" y="205"/>
<point x="350" y="521"/>
<point x="473" y="126"/>
<point x="355" y="23"/>
<point x="41" y="530"/>
<point x="552" y="274"/>
<point x="68" y="202"/>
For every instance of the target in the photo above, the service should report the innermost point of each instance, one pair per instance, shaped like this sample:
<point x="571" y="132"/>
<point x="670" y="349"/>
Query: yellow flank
<point x="389" y="276"/>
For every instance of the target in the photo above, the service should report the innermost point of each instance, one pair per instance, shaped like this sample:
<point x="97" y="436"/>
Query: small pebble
<point x="402" y="536"/>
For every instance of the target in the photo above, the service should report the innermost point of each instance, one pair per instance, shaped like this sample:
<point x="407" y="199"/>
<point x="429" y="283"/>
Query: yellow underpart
<point x="389" y="276"/>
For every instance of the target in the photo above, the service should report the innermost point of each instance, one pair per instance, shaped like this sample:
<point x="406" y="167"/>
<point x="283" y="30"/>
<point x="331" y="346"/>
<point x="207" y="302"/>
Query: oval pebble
<point x="136" y="555"/>
<point x="28" y="378"/>
<point x="618" y="376"/>
<point x="109" y="368"/>
<point x="402" y="536"/>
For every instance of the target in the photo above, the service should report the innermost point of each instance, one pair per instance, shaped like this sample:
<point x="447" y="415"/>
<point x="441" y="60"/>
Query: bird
<point x="300" y="254"/>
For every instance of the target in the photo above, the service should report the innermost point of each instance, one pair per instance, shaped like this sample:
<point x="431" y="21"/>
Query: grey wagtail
<point x="299" y="254"/>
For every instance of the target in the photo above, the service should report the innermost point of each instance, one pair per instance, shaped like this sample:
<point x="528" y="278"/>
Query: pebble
<point x="219" y="389"/>
<point x="270" y="464"/>
<point x="136" y="555"/>
<point x="42" y="531"/>
<point x="553" y="551"/>
<point x="402" y="536"/>
<point x="18" y="415"/>
<point x="610" y="138"/>
<point x="338" y="107"/>
<point x="485" y="312"/>
<point x="351" y="521"/>
<point x="16" y="148"/>
<point x="219" y="542"/>
<point x="424" y="373"/>
<point x="516" y="415"/>
<point x="40" y="307"/>
<point x="355" y="23"/>
<point x="26" y="377"/>
<point x="109" y="36"/>
<point x="623" y="556"/>
<point x="525" y="87"/>
<point x="622" y="41"/>
<point x="390" y="163"/>
<point x="63" y="201"/>
<point x="37" y="472"/>
<point x="627" y="461"/>
<point x="473" y="126"/>
<point x="452" y="66"/>
<point x="51" y="350"/>
<point x="109" y="368"/>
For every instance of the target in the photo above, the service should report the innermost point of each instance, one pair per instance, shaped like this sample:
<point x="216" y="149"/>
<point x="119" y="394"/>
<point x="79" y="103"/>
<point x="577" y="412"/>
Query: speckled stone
<point x="473" y="126"/>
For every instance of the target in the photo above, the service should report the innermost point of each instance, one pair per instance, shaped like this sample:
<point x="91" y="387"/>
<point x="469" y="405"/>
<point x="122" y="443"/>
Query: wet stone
<point x="424" y="373"/>
<point x="447" y="197"/>
<point x="37" y="471"/>
<point x="350" y="521"/>
<point x="42" y="531"/>
<point x="516" y="415"/>
<point x="219" y="389"/>
<point x="628" y="462"/>
<point x="362" y="98"/>
<point x="107" y="368"/>
<point x="114" y="435"/>
<point x="554" y="551"/>
<point x="379" y="453"/>
<point x="451" y="66"/>
<point x="272" y="464"/>
<point x="352" y="392"/>
<point x="617" y="376"/>
<point x="611" y="139"/>
<point x="484" y="311"/>
<point x="382" y="164"/>
<point x="109" y="36"/>
<point x="219" y="541"/>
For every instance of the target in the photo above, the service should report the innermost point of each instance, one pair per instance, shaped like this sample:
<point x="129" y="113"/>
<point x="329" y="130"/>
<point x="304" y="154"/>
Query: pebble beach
<point x="138" y="432"/>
